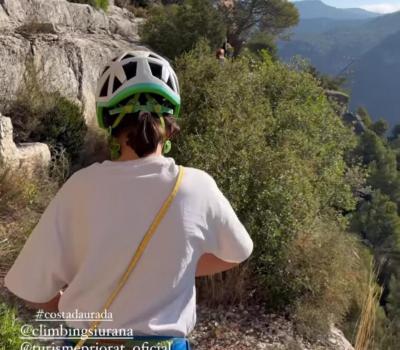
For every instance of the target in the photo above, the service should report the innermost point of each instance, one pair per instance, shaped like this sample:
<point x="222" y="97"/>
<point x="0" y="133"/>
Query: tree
<point x="328" y="82"/>
<point x="365" y="117"/>
<point x="378" y="222"/>
<point x="380" y="158"/>
<point x="263" y="41"/>
<point x="393" y="305"/>
<point x="380" y="127"/>
<point x="396" y="132"/>
<point x="244" y="17"/>
<point x="174" y="29"/>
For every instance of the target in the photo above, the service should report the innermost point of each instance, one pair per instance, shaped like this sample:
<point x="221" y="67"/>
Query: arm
<point x="209" y="264"/>
<point x="51" y="305"/>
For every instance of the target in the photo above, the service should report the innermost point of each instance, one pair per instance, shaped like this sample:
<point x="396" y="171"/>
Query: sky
<point x="385" y="6"/>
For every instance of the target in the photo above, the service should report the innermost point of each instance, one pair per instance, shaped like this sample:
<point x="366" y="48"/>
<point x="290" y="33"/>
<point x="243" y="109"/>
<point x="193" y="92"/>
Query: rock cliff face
<point x="67" y="43"/>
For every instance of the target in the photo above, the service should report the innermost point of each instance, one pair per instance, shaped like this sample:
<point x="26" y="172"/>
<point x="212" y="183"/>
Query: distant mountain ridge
<point x="375" y="80"/>
<point x="365" y="50"/>
<point x="317" y="9"/>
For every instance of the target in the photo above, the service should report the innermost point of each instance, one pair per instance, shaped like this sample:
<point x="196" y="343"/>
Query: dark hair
<point x="144" y="129"/>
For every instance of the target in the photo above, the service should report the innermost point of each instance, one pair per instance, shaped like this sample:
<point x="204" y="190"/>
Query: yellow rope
<point x="138" y="254"/>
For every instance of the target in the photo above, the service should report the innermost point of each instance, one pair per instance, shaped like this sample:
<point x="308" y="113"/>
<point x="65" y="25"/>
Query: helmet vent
<point x="156" y="69"/>
<point x="152" y="56"/>
<point x="105" y="69"/>
<point x="128" y="55"/>
<point x="116" y="84"/>
<point x="103" y="92"/>
<point x="130" y="70"/>
<point x="169" y="83"/>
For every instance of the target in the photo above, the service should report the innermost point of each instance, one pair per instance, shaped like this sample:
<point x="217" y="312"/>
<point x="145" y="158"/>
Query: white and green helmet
<point x="134" y="73"/>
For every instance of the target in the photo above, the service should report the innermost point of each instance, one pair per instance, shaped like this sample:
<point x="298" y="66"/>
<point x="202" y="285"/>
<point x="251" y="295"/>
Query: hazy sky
<point x="385" y="6"/>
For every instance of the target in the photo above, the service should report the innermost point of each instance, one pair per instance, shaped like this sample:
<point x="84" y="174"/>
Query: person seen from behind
<point x="87" y="252"/>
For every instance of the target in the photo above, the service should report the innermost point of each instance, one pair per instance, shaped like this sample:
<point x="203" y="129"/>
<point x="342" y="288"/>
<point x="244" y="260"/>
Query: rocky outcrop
<point x="27" y="157"/>
<point x="8" y="149"/>
<point x="340" y="99"/>
<point x="66" y="43"/>
<point x="355" y="122"/>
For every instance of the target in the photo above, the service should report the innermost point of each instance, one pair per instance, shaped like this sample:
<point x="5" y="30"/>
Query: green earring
<point x="115" y="147"/>
<point x="167" y="147"/>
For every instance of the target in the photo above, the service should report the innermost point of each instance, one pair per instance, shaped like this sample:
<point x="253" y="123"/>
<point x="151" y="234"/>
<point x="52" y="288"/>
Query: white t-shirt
<point x="89" y="232"/>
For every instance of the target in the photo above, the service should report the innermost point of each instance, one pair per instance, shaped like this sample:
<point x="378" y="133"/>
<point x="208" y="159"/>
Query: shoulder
<point x="78" y="180"/>
<point x="199" y="188"/>
<point x="198" y="178"/>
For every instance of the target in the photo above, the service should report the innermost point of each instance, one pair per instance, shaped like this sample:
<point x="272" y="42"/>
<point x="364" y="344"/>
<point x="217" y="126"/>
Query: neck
<point x="128" y="153"/>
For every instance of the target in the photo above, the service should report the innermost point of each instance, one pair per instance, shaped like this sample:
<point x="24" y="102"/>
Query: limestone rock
<point x="28" y="157"/>
<point x="8" y="149"/>
<point x="67" y="44"/>
<point x="33" y="156"/>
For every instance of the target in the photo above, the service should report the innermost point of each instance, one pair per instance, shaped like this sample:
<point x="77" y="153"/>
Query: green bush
<point x="41" y="116"/>
<point x="378" y="221"/>
<point x="272" y="141"/>
<point x="174" y="29"/>
<point x="98" y="4"/>
<point x="10" y="329"/>
<point x="62" y="125"/>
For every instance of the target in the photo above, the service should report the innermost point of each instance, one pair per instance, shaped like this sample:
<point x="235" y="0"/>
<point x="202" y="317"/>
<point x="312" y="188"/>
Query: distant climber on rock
<point x="220" y="55"/>
<point x="129" y="235"/>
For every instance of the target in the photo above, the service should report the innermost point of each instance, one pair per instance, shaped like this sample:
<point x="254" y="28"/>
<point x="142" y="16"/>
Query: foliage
<point x="10" y="329"/>
<point x="367" y="323"/>
<point x="47" y="117"/>
<point x="396" y="132"/>
<point x="365" y="117"/>
<point x="380" y="127"/>
<point x="62" y="125"/>
<point x="98" y="4"/>
<point x="377" y="219"/>
<point x="329" y="267"/>
<point x="21" y="202"/>
<point x="184" y="24"/>
<point x="145" y="3"/>
<point x="272" y="141"/>
<point x="269" y="16"/>
<point x="263" y="41"/>
<point x="378" y="222"/>
<point x="388" y="327"/>
<point x="328" y="82"/>
<point x="381" y="160"/>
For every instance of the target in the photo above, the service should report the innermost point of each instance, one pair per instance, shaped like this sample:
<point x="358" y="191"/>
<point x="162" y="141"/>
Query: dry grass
<point x="230" y="287"/>
<point x="366" y="324"/>
<point x="22" y="200"/>
<point x="326" y="265"/>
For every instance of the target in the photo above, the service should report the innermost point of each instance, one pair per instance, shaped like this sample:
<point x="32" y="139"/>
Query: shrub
<point x="98" y="4"/>
<point x="184" y="24"/>
<point x="272" y="141"/>
<point x="22" y="200"/>
<point x="40" y="116"/>
<point x="328" y="270"/>
<point x="62" y="125"/>
<point x="10" y="329"/>
<point x="378" y="221"/>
